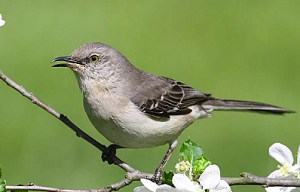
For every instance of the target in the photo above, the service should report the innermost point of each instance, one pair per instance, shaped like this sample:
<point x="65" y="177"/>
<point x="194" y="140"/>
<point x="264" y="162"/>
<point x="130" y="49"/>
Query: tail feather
<point x="235" y="105"/>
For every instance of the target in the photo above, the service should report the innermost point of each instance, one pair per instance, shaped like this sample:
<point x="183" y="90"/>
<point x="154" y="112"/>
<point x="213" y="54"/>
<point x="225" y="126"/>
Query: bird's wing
<point x="162" y="97"/>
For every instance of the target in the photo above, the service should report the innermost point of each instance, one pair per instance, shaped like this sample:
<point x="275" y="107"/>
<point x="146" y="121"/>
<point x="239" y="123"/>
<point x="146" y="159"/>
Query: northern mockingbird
<point x="135" y="109"/>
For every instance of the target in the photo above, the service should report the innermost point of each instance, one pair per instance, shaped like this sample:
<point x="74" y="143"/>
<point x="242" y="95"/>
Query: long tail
<point x="235" y="105"/>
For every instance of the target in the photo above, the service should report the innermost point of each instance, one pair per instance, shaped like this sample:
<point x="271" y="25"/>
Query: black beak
<point x="67" y="59"/>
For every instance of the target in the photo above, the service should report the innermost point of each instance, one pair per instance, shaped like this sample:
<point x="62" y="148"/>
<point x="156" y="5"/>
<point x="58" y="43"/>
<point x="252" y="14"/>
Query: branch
<point x="80" y="133"/>
<point x="130" y="177"/>
<point x="245" y="179"/>
<point x="63" y="119"/>
<point x="131" y="173"/>
<point x="250" y="179"/>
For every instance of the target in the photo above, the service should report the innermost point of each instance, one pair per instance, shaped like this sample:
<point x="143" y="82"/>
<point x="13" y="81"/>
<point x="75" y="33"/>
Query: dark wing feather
<point x="162" y="97"/>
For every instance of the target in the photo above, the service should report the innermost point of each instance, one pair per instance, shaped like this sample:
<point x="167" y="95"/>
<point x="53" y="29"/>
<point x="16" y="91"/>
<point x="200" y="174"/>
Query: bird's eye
<point x="94" y="58"/>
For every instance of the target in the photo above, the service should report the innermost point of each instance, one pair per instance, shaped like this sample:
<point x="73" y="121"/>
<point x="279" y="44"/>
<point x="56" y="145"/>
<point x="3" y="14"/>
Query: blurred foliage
<point x="233" y="49"/>
<point x="2" y="183"/>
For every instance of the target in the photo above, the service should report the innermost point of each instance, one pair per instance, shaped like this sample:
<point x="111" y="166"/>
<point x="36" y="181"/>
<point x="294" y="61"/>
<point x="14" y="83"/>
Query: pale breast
<point x="122" y="123"/>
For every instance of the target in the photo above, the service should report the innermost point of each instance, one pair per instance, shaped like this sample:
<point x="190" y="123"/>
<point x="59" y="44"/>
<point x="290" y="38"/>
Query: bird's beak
<point x="70" y="62"/>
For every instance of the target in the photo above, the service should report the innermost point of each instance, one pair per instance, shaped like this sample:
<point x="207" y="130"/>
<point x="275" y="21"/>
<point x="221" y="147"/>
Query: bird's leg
<point x="110" y="153"/>
<point x="159" y="169"/>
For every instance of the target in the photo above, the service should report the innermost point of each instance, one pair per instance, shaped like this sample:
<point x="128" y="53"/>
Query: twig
<point x="32" y="187"/>
<point x="63" y="119"/>
<point x="79" y="133"/>
<point x="130" y="177"/>
<point x="250" y="179"/>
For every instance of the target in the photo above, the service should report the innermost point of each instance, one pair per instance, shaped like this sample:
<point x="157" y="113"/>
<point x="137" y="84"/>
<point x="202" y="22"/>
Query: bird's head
<point x="94" y="60"/>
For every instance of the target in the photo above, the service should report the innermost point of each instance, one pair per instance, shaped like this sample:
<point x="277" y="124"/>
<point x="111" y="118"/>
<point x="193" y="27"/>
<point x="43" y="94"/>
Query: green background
<point x="233" y="49"/>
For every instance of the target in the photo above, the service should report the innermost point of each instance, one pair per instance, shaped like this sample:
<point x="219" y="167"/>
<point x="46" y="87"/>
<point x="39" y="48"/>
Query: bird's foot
<point x="158" y="172"/>
<point x="109" y="154"/>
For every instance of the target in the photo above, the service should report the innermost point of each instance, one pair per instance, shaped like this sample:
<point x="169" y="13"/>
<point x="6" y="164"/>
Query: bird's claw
<point x="109" y="154"/>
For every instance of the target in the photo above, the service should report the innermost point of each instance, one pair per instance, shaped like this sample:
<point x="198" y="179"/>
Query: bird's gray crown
<point x="95" y="47"/>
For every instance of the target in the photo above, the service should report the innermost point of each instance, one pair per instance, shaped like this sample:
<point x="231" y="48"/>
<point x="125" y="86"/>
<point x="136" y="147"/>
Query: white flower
<point x="183" y="183"/>
<point x="210" y="180"/>
<point x="2" y="22"/>
<point x="284" y="156"/>
<point x="180" y="181"/>
<point x="150" y="186"/>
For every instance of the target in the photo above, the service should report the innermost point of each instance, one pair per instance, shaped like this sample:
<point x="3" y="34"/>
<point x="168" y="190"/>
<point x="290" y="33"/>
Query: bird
<point x="135" y="109"/>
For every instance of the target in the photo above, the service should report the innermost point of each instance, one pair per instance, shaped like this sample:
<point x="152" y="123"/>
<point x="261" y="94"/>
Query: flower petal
<point x="182" y="182"/>
<point x="210" y="178"/>
<point x="166" y="188"/>
<point x="149" y="184"/>
<point x="2" y="22"/>
<point x="281" y="153"/>
<point x="141" y="189"/>
<point x="298" y="156"/>
<point x="222" y="187"/>
<point x="275" y="174"/>
<point x="281" y="189"/>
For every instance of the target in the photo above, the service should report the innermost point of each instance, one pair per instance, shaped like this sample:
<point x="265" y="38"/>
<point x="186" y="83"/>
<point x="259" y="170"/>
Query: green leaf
<point x="167" y="178"/>
<point x="190" y="151"/>
<point x="200" y="165"/>
<point x="2" y="185"/>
